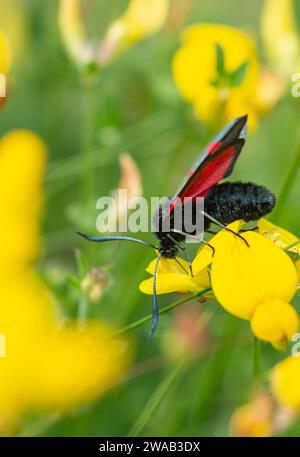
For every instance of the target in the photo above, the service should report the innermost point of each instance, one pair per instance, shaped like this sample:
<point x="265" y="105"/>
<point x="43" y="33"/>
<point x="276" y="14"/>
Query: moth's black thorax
<point x="230" y="201"/>
<point x="168" y="248"/>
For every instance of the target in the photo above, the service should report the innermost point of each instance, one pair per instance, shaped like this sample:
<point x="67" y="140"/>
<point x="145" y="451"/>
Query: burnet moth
<point x="223" y="203"/>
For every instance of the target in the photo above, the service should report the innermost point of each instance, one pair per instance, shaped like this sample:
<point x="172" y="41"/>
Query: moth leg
<point x="210" y="246"/>
<point x="184" y="250"/>
<point x="215" y="221"/>
<point x="181" y="266"/>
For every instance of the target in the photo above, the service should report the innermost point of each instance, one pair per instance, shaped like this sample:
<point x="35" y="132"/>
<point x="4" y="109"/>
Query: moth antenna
<point x="155" y="304"/>
<point x="100" y="239"/>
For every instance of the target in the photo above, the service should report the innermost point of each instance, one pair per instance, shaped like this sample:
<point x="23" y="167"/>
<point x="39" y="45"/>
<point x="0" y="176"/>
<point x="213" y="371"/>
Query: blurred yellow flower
<point x="141" y="19"/>
<point x="255" y="417"/>
<point x="73" y="32"/>
<point x="280" y="36"/>
<point x="5" y="54"/>
<point x="285" y="382"/>
<point x="216" y="69"/>
<point x="256" y="283"/>
<point x="14" y="23"/>
<point x="47" y="366"/>
<point x="282" y="238"/>
<point x="175" y="277"/>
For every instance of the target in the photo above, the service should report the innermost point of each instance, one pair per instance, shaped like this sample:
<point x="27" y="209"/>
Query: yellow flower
<point x="171" y="277"/>
<point x="255" y="283"/>
<point x="47" y="366"/>
<point x="285" y="382"/>
<point x="278" y="235"/>
<point x="141" y="19"/>
<point x="255" y="418"/>
<point x="282" y="238"/>
<point x="73" y="32"/>
<point x="5" y="54"/>
<point x="280" y="36"/>
<point x="216" y="69"/>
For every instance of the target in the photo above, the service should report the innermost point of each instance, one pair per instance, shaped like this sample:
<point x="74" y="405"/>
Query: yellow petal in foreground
<point x="285" y="382"/>
<point x="46" y="366"/>
<point x="22" y="163"/>
<point x="280" y="37"/>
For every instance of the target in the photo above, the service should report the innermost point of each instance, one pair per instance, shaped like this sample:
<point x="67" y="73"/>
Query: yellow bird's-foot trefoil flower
<point x="174" y="276"/>
<point x="216" y="69"/>
<point x="141" y="19"/>
<point x="285" y="382"/>
<point x="282" y="238"/>
<point x="44" y="365"/>
<point x="255" y="281"/>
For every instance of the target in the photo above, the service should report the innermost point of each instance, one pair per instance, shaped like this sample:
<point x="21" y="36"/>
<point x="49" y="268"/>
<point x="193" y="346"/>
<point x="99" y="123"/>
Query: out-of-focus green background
<point x="137" y="109"/>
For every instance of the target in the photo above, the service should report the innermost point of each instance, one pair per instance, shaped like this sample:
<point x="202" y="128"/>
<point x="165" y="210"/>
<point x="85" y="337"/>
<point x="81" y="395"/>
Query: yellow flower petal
<point x="278" y="235"/>
<point x="275" y="321"/>
<point x="22" y="162"/>
<point x="141" y="19"/>
<point x="204" y="256"/>
<point x="171" y="277"/>
<point x="169" y="282"/>
<point x="73" y="31"/>
<point x="285" y="382"/>
<point x="280" y="37"/>
<point x="255" y="417"/>
<point x="5" y="54"/>
<point x="168" y="266"/>
<point x="244" y="277"/>
<point x="46" y="366"/>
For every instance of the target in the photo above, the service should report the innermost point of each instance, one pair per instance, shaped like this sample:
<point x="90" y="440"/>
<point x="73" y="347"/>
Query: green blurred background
<point x="136" y="108"/>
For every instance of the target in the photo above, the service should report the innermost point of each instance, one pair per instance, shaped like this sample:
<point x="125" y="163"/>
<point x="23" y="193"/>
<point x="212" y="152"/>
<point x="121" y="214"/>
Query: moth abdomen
<point x="230" y="201"/>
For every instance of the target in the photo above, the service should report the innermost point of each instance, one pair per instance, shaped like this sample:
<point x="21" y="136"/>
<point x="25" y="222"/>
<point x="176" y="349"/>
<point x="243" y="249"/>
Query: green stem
<point x="86" y="141"/>
<point x="164" y="310"/>
<point x="155" y="400"/>
<point x="287" y="185"/>
<point x="256" y="357"/>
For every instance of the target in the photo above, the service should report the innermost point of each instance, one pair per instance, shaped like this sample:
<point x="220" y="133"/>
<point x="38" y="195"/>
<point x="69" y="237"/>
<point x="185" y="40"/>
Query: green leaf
<point x="237" y="76"/>
<point x="220" y="60"/>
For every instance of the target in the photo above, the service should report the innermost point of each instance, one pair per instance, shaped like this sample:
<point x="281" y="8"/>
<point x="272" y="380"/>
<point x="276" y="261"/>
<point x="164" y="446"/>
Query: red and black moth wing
<point x="215" y="163"/>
